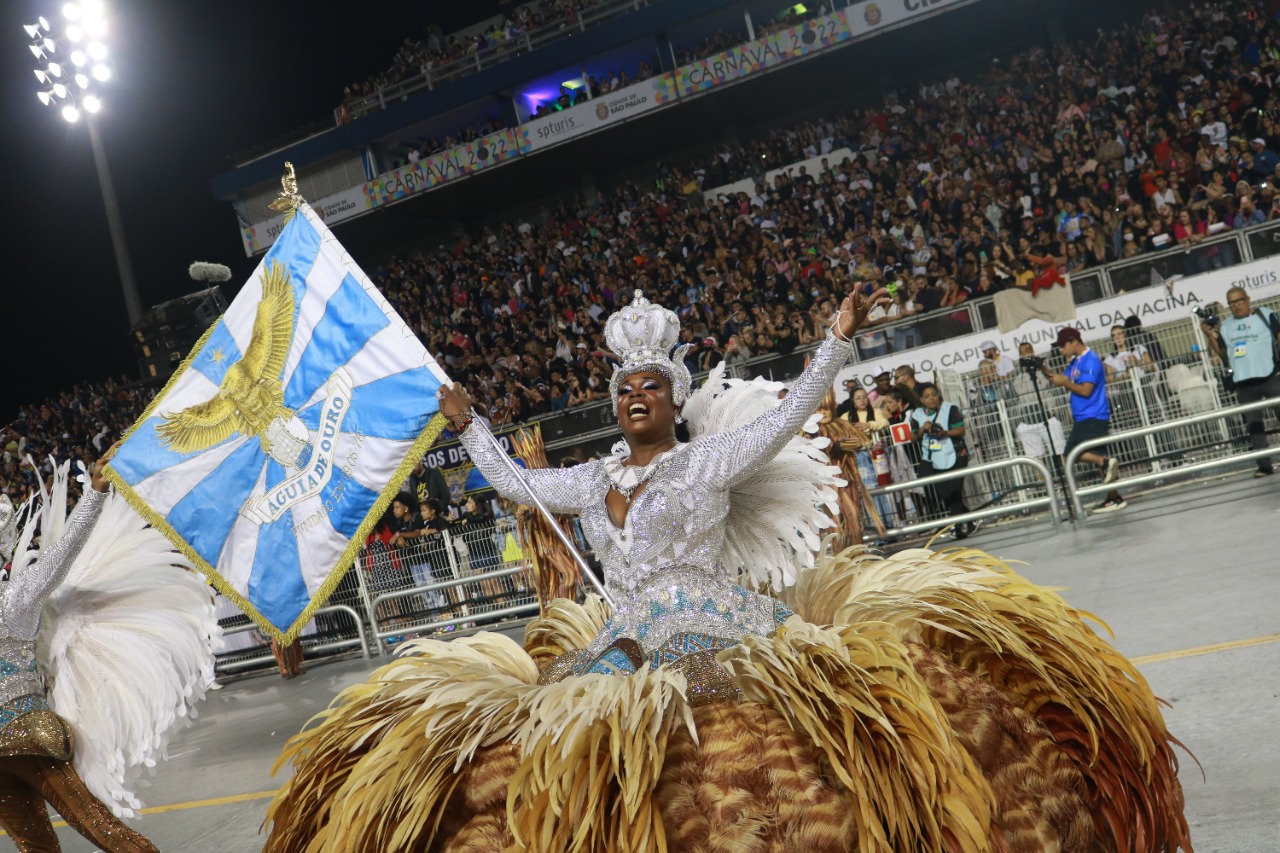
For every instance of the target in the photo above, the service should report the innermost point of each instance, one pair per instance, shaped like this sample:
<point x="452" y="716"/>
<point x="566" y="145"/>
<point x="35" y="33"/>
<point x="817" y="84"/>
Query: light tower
<point x="72" y="67"/>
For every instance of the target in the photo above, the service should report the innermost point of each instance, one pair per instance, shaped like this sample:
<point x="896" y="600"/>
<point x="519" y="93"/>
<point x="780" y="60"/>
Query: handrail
<point x="362" y="640"/>
<point x="1050" y="500"/>
<point x="430" y="77"/>
<point x="413" y="592"/>
<point x="1075" y="493"/>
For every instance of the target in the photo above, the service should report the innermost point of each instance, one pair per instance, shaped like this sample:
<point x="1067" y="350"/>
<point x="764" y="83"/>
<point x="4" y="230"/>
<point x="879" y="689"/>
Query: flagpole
<point x="551" y="520"/>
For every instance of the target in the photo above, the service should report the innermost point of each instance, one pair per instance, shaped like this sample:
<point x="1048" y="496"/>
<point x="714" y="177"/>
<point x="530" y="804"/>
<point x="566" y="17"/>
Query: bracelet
<point x="835" y="328"/>
<point x="461" y="421"/>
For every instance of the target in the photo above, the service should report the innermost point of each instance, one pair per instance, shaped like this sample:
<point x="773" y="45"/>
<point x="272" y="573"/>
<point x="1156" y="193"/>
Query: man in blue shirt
<point x="1090" y="411"/>
<point x="1246" y="343"/>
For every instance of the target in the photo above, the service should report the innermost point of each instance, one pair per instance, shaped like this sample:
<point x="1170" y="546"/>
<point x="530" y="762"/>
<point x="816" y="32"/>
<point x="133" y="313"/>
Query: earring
<point x="679" y="420"/>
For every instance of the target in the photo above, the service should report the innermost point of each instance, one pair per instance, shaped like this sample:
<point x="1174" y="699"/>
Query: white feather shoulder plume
<point x="776" y="517"/>
<point x="126" y="644"/>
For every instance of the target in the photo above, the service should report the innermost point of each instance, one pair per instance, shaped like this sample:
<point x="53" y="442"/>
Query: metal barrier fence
<point x="458" y="580"/>
<point x="254" y="650"/>
<point x="446" y="582"/>
<point x="1158" y="381"/>
<point x="994" y="507"/>
<point x="1076" y="492"/>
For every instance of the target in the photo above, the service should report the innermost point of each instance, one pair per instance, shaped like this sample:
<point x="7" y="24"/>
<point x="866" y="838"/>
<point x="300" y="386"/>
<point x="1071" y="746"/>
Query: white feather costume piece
<point x="776" y="518"/>
<point x="126" y="645"/>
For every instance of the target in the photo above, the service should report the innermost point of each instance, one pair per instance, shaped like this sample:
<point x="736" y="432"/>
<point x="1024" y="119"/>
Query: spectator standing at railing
<point x="1248" y="343"/>
<point x="939" y="433"/>
<point x="871" y="423"/>
<point x="1086" y="380"/>
<point x="428" y="482"/>
<point x="412" y="537"/>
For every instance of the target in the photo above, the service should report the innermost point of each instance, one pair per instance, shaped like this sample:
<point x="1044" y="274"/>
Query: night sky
<point x="195" y="83"/>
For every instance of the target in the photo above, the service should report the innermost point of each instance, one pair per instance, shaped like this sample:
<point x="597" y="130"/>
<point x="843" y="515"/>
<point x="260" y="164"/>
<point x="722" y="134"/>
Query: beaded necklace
<point x="627" y="478"/>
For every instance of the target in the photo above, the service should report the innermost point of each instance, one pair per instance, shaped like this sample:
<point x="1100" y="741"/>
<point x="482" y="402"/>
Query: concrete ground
<point x="1188" y="579"/>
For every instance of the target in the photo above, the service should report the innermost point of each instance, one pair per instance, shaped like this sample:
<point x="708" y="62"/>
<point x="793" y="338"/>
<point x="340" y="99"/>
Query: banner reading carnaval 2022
<point x="763" y="53"/>
<point x="457" y="162"/>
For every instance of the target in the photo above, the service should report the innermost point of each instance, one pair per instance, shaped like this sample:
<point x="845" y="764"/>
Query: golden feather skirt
<point x="924" y="702"/>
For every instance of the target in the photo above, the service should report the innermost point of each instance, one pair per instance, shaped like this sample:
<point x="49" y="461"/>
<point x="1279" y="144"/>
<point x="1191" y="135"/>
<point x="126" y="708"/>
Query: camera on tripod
<point x="1031" y="363"/>
<point x="1206" y="316"/>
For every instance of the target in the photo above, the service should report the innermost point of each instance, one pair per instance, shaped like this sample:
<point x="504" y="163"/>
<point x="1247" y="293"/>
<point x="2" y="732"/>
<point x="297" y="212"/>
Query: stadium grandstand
<point x="749" y="185"/>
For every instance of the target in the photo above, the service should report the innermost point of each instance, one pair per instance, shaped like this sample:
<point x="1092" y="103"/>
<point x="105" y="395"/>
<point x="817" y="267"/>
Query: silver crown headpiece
<point x="643" y="335"/>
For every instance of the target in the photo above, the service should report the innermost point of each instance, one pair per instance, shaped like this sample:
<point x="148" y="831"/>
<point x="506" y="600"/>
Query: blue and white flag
<point x="280" y="440"/>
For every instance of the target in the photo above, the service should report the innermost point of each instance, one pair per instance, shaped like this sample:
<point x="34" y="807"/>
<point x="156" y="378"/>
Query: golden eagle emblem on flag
<point x="250" y="399"/>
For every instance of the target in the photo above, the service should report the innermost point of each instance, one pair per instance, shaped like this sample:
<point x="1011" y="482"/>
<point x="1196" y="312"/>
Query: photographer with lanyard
<point x="1090" y="411"/>
<point x="1247" y="344"/>
<point x="938" y="429"/>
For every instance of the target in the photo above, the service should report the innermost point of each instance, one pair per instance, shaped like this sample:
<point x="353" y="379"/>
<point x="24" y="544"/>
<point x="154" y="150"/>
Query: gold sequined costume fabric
<point x="28" y="782"/>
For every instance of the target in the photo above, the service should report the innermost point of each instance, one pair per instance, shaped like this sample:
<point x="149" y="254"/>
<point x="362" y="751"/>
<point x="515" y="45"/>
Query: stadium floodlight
<point x="85" y="21"/>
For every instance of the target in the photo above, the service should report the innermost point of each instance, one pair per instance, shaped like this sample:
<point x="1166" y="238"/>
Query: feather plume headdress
<point x="644" y="336"/>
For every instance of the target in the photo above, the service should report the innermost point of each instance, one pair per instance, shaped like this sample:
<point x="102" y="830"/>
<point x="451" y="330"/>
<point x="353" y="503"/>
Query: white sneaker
<point x="1111" y="470"/>
<point x="1111" y="505"/>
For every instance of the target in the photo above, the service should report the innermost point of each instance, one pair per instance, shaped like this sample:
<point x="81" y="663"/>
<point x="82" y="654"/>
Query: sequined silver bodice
<point x="663" y="566"/>
<point x="22" y="599"/>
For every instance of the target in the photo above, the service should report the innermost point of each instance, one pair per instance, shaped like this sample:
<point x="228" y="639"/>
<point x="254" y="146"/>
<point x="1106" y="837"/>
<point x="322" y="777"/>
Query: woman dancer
<point x="948" y="704"/>
<point x="133" y="592"/>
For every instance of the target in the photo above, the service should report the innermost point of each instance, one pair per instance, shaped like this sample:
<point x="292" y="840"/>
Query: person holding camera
<point x="938" y="430"/>
<point x="1247" y="344"/>
<point x="1086" y="380"/>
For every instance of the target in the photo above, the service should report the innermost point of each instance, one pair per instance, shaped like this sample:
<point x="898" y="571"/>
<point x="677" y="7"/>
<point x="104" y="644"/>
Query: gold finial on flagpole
<point x="289" y="199"/>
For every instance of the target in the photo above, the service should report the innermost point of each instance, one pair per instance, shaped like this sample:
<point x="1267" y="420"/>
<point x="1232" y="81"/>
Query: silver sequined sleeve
<point x="26" y="592"/>
<point x="561" y="489"/>
<point x="722" y="459"/>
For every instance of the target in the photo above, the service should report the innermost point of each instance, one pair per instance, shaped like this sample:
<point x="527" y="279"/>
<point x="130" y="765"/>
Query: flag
<point x="283" y="436"/>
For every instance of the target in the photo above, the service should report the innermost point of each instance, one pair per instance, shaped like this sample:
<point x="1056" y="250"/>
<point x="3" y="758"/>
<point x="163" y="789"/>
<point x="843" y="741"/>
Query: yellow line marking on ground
<point x="1156" y="658"/>
<point x="197" y="804"/>
<point x="1208" y="650"/>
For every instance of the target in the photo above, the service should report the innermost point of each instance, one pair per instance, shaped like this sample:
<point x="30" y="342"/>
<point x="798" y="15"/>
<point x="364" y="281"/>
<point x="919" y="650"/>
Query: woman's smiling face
<point x="645" y="409"/>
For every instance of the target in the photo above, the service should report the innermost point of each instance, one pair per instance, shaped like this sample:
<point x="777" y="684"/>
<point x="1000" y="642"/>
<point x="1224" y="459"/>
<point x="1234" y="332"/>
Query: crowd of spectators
<point x="434" y="145"/>
<point x="78" y="425"/>
<point x="1050" y="161"/>
<point x="1160" y="132"/>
